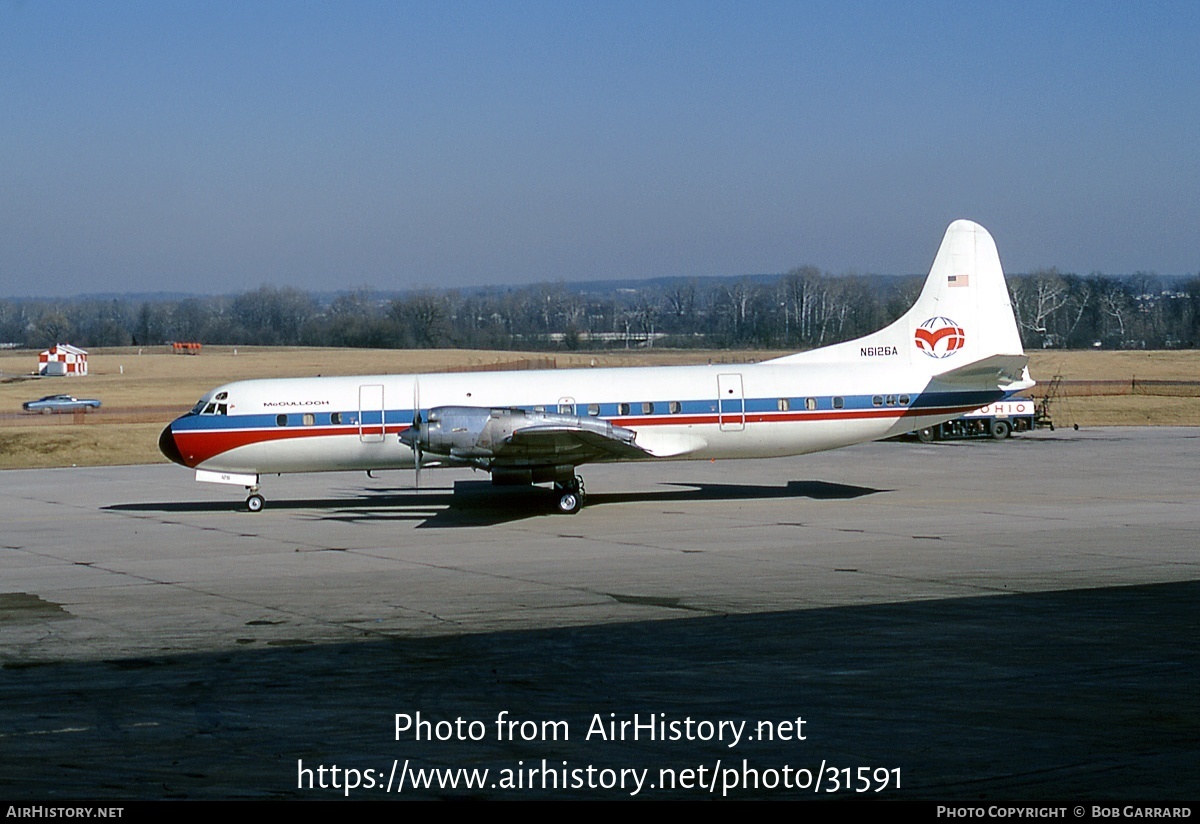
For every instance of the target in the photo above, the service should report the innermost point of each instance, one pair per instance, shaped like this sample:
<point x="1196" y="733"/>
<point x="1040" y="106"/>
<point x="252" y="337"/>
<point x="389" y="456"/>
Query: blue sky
<point x="219" y="146"/>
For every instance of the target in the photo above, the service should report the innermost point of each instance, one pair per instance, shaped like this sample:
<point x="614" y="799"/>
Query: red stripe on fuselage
<point x="199" y="445"/>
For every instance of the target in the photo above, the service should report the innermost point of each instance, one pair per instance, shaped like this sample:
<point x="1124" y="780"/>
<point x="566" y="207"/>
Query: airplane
<point x="955" y="350"/>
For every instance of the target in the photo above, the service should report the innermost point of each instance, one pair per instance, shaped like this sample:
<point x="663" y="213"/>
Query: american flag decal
<point x="959" y="280"/>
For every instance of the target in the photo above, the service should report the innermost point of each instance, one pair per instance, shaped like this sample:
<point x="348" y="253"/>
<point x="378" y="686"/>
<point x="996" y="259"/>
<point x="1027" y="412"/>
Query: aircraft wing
<point x="568" y="442"/>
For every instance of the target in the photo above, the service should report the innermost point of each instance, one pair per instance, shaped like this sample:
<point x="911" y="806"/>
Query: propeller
<point x="416" y="428"/>
<point x="416" y="446"/>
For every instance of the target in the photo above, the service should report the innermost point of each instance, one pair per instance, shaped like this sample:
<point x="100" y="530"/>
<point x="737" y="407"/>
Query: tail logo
<point x="939" y="337"/>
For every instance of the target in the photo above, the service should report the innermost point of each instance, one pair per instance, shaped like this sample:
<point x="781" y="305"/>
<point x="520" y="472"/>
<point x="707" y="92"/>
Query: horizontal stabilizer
<point x="1009" y="372"/>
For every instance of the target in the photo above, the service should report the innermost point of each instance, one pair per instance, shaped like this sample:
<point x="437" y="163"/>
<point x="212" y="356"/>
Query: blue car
<point x="61" y="403"/>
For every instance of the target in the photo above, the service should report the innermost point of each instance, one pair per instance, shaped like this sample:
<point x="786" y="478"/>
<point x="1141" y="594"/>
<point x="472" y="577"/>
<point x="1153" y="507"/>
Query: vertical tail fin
<point x="963" y="314"/>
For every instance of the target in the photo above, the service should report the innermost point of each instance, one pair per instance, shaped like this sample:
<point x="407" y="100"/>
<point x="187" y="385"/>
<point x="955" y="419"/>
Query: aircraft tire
<point x="925" y="435"/>
<point x="255" y="503"/>
<point x="569" y="503"/>
<point x="1000" y="430"/>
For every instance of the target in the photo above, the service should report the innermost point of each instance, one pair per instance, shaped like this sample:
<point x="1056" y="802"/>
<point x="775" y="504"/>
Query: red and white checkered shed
<point x="74" y="360"/>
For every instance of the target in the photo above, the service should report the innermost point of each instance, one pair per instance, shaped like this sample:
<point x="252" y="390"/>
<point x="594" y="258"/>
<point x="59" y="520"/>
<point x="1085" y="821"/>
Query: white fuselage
<point x="691" y="412"/>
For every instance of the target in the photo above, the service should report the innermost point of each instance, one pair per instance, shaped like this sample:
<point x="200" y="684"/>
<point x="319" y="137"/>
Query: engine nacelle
<point x="473" y="431"/>
<point x="458" y="431"/>
<point x="478" y="434"/>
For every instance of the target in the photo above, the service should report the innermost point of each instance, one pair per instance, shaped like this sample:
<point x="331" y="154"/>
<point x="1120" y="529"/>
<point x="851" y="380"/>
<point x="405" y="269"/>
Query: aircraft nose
<point x="167" y="446"/>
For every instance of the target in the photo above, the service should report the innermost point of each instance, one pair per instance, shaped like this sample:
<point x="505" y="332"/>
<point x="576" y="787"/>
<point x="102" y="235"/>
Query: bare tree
<point x="1037" y="298"/>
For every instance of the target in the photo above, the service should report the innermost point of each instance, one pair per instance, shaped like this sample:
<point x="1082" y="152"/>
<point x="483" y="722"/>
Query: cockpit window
<point x="206" y="407"/>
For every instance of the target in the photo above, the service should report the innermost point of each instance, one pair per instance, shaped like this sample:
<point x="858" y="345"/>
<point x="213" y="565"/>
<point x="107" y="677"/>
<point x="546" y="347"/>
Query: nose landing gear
<point x="255" y="502"/>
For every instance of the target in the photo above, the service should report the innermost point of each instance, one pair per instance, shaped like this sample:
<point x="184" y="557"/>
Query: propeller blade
<point x="416" y="427"/>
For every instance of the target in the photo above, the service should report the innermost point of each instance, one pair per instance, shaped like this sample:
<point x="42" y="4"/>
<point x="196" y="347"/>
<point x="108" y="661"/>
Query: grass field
<point x="143" y="389"/>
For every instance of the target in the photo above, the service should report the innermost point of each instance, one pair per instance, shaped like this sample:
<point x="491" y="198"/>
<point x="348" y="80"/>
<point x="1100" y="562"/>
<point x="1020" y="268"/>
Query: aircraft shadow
<point x="479" y="503"/>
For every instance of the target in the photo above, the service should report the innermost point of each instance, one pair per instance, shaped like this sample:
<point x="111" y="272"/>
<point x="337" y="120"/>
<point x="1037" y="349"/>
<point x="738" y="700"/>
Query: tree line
<point x="802" y="309"/>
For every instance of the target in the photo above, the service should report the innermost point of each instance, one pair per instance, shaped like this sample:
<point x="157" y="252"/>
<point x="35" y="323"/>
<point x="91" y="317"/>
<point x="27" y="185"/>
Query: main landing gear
<point x="571" y="495"/>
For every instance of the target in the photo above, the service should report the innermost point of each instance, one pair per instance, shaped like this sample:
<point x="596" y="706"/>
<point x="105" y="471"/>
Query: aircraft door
<point x="731" y="403"/>
<point x="370" y="413"/>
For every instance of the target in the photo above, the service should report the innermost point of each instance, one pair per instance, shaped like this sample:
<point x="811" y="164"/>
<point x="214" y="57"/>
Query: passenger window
<point x="838" y="403"/>
<point x="622" y="409"/>
<point x="891" y="400"/>
<point x="904" y="399"/>
<point x="674" y="407"/>
<point x="593" y="409"/>
<point x="877" y="400"/>
<point x="281" y="420"/>
<point x="783" y="404"/>
<point x="647" y="408"/>
<point x="309" y="419"/>
<point x="810" y="404"/>
<point x="539" y="409"/>
<point x="335" y="418"/>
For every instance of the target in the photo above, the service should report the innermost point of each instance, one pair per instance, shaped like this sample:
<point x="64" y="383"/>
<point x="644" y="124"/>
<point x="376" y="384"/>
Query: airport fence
<point x="508" y="366"/>
<point x="1133" y="386"/>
